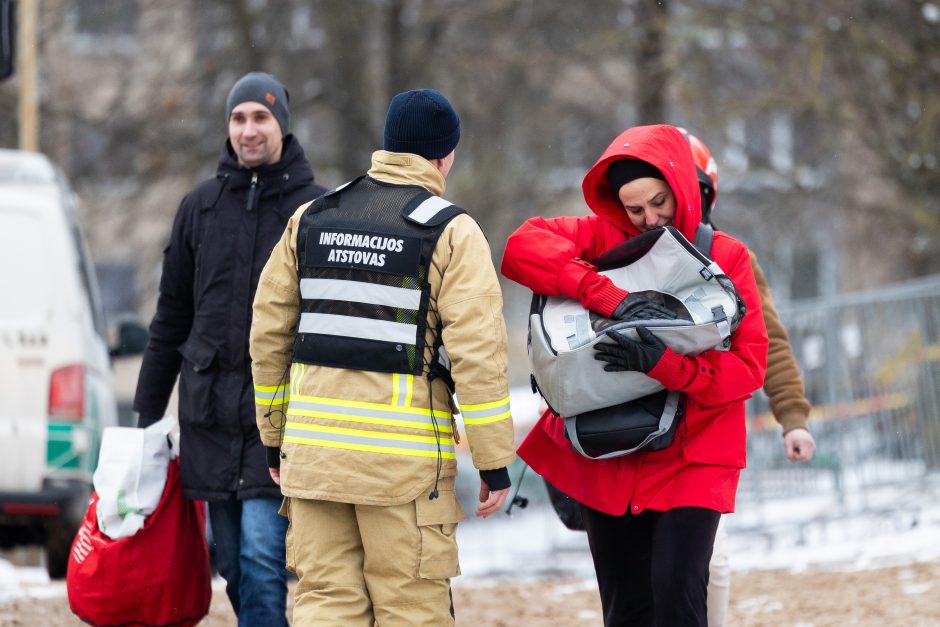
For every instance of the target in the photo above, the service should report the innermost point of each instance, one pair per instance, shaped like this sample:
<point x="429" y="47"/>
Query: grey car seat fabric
<point x="660" y="265"/>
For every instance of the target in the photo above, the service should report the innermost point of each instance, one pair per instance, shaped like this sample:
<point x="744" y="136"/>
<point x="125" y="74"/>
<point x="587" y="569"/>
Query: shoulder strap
<point x="430" y="210"/>
<point x="344" y="186"/>
<point x="330" y="200"/>
<point x="704" y="234"/>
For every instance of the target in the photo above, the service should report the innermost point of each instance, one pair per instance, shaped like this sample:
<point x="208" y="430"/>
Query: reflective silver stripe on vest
<point x="428" y="209"/>
<point x="363" y="328"/>
<point x="371" y="441"/>
<point x="346" y="184"/>
<point x="359" y="292"/>
<point x="418" y="419"/>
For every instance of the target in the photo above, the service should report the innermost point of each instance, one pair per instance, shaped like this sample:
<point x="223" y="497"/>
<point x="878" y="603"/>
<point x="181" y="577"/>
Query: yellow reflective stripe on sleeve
<point x="268" y="388"/>
<point x="271" y="394"/>
<point x="369" y="413"/>
<point x="485" y="413"/>
<point x="369" y="441"/>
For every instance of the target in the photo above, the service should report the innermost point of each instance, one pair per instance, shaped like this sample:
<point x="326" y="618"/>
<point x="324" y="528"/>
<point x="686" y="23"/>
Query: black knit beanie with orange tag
<point x="264" y="89"/>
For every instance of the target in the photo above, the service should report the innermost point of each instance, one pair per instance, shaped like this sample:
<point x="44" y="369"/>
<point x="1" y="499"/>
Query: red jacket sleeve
<point x="720" y="377"/>
<point x="547" y="255"/>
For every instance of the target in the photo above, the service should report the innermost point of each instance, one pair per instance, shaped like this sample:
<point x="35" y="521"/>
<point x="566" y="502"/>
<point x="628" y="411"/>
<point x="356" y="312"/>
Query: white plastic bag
<point x="131" y="474"/>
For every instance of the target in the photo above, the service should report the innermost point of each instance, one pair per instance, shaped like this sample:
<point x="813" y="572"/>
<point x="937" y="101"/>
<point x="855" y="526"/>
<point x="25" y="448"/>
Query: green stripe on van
<point x="59" y="452"/>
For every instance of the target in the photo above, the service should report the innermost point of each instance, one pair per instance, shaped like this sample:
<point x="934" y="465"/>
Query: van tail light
<point x="67" y="393"/>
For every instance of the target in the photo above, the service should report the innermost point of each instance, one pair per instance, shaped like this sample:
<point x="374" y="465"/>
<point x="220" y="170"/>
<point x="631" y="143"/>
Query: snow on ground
<point x="898" y="526"/>
<point x="867" y="528"/>
<point x="27" y="581"/>
<point x="890" y="526"/>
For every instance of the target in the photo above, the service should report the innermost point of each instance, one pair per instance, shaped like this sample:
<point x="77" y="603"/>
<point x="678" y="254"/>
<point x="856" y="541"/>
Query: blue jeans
<point x="249" y="547"/>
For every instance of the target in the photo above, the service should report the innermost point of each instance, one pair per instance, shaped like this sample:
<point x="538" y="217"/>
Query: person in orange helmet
<point x="783" y="385"/>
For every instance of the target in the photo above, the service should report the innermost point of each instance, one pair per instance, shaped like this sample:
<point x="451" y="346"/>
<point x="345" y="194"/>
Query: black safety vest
<point x="364" y="254"/>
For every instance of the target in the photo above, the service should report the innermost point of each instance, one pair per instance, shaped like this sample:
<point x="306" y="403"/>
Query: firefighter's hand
<point x="799" y="445"/>
<point x="627" y="354"/>
<point x="491" y="502"/>
<point x="273" y="455"/>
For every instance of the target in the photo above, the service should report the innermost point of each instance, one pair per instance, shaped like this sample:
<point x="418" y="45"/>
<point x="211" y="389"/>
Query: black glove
<point x="273" y="455"/>
<point x="637" y="307"/>
<point x="497" y="479"/>
<point x="637" y="355"/>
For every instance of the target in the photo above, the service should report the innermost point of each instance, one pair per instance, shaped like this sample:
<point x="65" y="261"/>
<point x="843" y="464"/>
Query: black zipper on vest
<point x="252" y="193"/>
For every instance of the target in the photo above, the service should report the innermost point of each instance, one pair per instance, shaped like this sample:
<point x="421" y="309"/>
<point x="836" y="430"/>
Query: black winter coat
<point x="223" y="235"/>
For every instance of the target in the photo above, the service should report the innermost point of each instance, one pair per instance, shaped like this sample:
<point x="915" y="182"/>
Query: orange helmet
<point x="707" y="173"/>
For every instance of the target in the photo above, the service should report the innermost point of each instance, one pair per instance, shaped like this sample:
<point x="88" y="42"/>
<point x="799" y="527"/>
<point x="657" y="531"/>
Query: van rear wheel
<point x="59" y="537"/>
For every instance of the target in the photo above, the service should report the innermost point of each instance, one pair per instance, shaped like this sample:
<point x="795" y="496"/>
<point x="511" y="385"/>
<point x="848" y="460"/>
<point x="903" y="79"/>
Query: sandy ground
<point x="903" y="595"/>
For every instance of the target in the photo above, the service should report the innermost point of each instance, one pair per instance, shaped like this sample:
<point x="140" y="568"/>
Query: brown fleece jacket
<point x="783" y="383"/>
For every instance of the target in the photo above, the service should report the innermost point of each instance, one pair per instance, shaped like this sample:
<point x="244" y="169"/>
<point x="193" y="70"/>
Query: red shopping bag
<point x="155" y="578"/>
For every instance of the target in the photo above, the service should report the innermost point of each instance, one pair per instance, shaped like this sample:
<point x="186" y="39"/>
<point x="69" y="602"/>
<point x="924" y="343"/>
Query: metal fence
<point x="871" y="363"/>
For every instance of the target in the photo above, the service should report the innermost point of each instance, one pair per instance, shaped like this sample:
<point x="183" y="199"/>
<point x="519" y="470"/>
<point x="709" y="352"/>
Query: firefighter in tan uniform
<point x="378" y="305"/>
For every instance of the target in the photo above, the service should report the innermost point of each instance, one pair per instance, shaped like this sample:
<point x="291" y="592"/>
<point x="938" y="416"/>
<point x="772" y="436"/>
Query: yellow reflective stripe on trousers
<point x="271" y="394"/>
<point x="402" y="388"/>
<point x="484" y="413"/>
<point x="369" y="413"/>
<point x="369" y="441"/>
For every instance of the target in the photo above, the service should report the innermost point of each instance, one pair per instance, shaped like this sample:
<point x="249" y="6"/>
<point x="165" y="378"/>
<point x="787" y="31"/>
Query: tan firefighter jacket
<point x="364" y="437"/>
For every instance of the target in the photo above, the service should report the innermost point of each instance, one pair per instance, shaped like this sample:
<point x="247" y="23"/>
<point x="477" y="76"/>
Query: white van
<point x="56" y="393"/>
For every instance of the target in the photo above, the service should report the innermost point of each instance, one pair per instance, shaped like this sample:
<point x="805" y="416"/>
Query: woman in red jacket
<point x="650" y="516"/>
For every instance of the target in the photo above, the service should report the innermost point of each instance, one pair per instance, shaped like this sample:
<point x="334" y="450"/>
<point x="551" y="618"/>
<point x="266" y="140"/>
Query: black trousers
<point x="652" y="568"/>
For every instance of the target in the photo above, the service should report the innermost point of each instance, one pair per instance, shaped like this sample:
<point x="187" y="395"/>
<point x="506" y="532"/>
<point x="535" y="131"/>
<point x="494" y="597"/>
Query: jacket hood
<point x="291" y="172"/>
<point x="662" y="146"/>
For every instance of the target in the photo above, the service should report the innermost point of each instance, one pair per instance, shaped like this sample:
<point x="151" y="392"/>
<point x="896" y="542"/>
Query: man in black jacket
<point x="222" y="236"/>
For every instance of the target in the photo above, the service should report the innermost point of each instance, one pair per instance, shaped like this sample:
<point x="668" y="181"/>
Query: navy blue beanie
<point x="422" y="122"/>
<point x="264" y="89"/>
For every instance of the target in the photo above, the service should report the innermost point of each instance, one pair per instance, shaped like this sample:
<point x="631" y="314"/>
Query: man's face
<point x="255" y="135"/>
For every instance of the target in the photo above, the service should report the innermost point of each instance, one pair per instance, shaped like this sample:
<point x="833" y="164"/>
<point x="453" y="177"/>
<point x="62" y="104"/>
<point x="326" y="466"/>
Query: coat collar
<point x="291" y="172"/>
<point x="402" y="168"/>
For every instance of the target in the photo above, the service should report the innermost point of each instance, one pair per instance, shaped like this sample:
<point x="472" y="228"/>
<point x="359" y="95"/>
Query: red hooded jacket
<point x="552" y="256"/>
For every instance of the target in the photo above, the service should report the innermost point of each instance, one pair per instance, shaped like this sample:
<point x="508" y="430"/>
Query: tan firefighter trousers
<point x="364" y="564"/>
